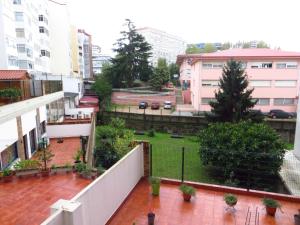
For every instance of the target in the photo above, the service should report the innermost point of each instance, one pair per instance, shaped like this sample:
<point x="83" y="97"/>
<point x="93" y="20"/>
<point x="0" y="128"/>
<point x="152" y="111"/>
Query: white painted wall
<point x="100" y="200"/>
<point x="8" y="134"/>
<point x="28" y="121"/>
<point x="297" y="133"/>
<point x="75" y="111"/>
<point x="43" y="113"/>
<point x="68" y="130"/>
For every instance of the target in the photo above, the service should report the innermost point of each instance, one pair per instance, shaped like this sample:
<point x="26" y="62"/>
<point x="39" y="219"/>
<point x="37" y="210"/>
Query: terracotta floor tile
<point x="207" y="208"/>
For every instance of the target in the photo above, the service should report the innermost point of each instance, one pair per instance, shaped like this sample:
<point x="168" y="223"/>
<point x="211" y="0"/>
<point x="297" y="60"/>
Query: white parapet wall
<point x="68" y="130"/>
<point x="100" y="200"/>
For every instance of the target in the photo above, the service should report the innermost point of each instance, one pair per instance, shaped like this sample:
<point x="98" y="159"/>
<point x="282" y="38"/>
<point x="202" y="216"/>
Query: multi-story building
<point x="273" y="74"/>
<point x="24" y="35"/>
<point x="85" y="54"/>
<point x="98" y="59"/>
<point x="164" y="45"/>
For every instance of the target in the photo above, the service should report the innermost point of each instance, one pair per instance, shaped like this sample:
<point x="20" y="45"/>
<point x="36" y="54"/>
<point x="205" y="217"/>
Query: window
<point x="260" y="83"/>
<point x="17" y="2"/>
<point x="21" y="48"/>
<point x="23" y="64"/>
<point x="285" y="83"/>
<point x="20" y="32"/>
<point x="210" y="83"/>
<point x="43" y="30"/>
<point x="284" y="101"/>
<point x="261" y="65"/>
<point x="12" y="61"/>
<point x="19" y="16"/>
<point x="212" y="65"/>
<point x="288" y="65"/>
<point x="9" y="155"/>
<point x="29" y="52"/>
<point x="45" y="53"/>
<point x="43" y="19"/>
<point x="263" y="101"/>
<point x="206" y="101"/>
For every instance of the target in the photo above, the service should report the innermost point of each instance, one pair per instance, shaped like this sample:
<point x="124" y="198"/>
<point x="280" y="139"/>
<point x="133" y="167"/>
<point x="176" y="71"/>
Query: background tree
<point x="103" y="87"/>
<point x="226" y="45"/>
<point x="233" y="99"/>
<point x="209" y="47"/>
<point x="192" y="49"/>
<point x="161" y="74"/>
<point x="174" y="70"/>
<point x="131" y="61"/>
<point x="262" y="44"/>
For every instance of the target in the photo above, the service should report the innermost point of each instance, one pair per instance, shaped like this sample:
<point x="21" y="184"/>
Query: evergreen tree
<point x="131" y="61"/>
<point x="161" y="74"/>
<point x="233" y="99"/>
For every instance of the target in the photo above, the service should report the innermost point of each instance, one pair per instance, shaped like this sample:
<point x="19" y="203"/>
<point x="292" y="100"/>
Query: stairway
<point x="179" y="99"/>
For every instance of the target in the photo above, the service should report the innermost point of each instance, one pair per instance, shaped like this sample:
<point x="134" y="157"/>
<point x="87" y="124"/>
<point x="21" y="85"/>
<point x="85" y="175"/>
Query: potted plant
<point x="187" y="192"/>
<point x="151" y="218"/>
<point x="230" y="199"/>
<point x="7" y="175"/>
<point x="27" y="167"/>
<point x="271" y="205"/>
<point x="297" y="218"/>
<point x="155" y="185"/>
<point x="77" y="157"/>
<point x="45" y="156"/>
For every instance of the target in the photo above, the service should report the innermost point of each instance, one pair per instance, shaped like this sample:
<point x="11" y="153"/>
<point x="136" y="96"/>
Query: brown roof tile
<point x="14" y="75"/>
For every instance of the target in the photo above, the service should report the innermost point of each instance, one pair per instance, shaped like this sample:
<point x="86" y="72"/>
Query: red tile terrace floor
<point x="27" y="201"/>
<point x="63" y="152"/>
<point x="207" y="208"/>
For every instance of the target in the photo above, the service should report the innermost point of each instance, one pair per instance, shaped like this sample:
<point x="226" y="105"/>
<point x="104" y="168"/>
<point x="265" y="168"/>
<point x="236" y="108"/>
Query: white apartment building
<point x="164" y="45"/>
<point x="98" y="59"/>
<point x="85" y="54"/>
<point x="24" y="35"/>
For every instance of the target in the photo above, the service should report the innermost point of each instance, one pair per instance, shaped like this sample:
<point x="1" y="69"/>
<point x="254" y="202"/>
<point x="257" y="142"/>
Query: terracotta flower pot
<point x="297" y="219"/>
<point x="186" y="197"/>
<point x="231" y="204"/>
<point x="151" y="218"/>
<point x="271" y="210"/>
<point x="45" y="173"/>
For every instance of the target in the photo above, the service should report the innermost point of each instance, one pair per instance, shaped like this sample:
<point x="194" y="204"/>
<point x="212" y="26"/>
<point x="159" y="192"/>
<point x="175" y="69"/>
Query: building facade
<point x="85" y="54"/>
<point x="273" y="74"/>
<point x="164" y="45"/>
<point x="24" y="35"/>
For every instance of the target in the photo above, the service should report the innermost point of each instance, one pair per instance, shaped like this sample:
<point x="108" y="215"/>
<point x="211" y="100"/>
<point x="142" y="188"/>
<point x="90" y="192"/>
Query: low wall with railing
<point x="95" y="204"/>
<point x="68" y="130"/>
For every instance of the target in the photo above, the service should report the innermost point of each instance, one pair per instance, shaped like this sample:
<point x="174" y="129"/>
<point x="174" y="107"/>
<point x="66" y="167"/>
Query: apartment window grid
<point x="262" y="101"/>
<point x="12" y="61"/>
<point x="212" y="65"/>
<point x="17" y="2"/>
<point x="285" y="83"/>
<point x="19" y="16"/>
<point x="45" y="53"/>
<point x="210" y="83"/>
<point x="287" y="65"/>
<point x="42" y="18"/>
<point x="284" y="101"/>
<point x="260" y="83"/>
<point x="43" y="30"/>
<point x="21" y="48"/>
<point x="20" y="33"/>
<point x="262" y="65"/>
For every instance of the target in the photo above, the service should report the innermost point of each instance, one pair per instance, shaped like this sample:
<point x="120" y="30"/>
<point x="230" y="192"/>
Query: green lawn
<point x="167" y="155"/>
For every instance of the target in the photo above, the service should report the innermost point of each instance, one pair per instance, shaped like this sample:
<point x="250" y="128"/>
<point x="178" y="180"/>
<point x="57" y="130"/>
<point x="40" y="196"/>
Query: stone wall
<point x="189" y="125"/>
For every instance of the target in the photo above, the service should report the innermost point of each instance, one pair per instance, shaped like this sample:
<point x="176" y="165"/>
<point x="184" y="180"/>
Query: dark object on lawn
<point x="139" y="132"/>
<point x="151" y="133"/>
<point x="60" y="140"/>
<point x="151" y="218"/>
<point x="175" y="135"/>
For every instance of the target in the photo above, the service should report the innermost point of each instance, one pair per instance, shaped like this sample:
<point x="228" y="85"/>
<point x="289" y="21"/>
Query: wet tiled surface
<point x="207" y="208"/>
<point x="27" y="201"/>
<point x="64" y="152"/>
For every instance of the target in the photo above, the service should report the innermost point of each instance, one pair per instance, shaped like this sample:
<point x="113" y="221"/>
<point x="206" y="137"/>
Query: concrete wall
<point x="95" y="204"/>
<point x="189" y="125"/>
<point x="68" y="130"/>
<point x="8" y="134"/>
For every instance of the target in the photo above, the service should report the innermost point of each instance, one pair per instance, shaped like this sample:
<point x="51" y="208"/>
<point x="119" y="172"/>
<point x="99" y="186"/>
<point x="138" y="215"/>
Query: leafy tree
<point x="209" y="47"/>
<point x="242" y="151"/>
<point x="226" y="45"/>
<point x="246" y="45"/>
<point x="174" y="69"/>
<point x="103" y="87"/>
<point x="192" y="49"/>
<point x="161" y="74"/>
<point x="233" y="99"/>
<point x="262" y="44"/>
<point x="131" y="61"/>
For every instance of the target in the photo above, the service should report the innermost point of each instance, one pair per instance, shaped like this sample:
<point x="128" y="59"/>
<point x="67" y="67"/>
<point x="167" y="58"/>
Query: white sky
<point x="275" y="21"/>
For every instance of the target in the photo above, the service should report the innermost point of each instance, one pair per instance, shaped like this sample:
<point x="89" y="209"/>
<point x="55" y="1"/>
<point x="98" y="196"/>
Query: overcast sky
<point x="275" y="21"/>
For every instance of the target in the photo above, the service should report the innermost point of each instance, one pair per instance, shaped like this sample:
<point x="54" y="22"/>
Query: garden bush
<point x="242" y="150"/>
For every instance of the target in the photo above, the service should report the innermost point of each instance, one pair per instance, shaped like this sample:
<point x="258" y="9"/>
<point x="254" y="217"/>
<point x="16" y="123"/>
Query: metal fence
<point x="184" y="163"/>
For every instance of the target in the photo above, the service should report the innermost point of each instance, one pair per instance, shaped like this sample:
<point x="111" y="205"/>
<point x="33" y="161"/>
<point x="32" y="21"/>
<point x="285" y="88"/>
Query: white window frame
<point x="260" y="101"/>
<point x="212" y="65"/>
<point x="261" y="65"/>
<point x="284" y="101"/>
<point x="210" y="83"/>
<point x="20" y="31"/>
<point x="286" y="65"/>
<point x="255" y="83"/>
<point x="19" y="16"/>
<point x="284" y="83"/>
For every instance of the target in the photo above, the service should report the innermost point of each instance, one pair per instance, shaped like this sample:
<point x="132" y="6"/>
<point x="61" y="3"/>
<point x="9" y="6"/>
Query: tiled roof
<point x="14" y="75"/>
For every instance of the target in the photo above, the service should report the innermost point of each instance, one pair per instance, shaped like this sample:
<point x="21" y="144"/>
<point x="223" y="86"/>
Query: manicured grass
<point x="167" y="157"/>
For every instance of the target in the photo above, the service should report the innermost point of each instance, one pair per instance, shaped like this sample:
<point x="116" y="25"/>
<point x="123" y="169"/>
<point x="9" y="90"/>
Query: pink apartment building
<point x="274" y="75"/>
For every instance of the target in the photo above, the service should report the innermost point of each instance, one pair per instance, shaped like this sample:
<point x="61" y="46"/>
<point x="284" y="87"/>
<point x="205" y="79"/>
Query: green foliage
<point x="131" y="61"/>
<point x="151" y="133"/>
<point x="233" y="99"/>
<point x="226" y="45"/>
<point x="192" y="49"/>
<point x="230" y="199"/>
<point x="186" y="189"/>
<point x="12" y="93"/>
<point x="242" y="149"/>
<point x="262" y="44"/>
<point x="45" y="156"/>
<point x="269" y="202"/>
<point x="80" y="167"/>
<point x="27" y="164"/>
<point x="154" y="180"/>
<point x="208" y="48"/>
<point x="77" y="156"/>
<point x="112" y="142"/>
<point x="161" y="74"/>
<point x="103" y="87"/>
<point x="6" y="172"/>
